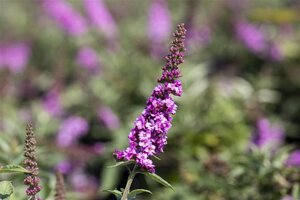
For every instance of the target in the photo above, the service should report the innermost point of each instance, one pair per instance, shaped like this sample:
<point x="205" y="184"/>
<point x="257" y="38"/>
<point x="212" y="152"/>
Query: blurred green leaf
<point x="6" y="189"/>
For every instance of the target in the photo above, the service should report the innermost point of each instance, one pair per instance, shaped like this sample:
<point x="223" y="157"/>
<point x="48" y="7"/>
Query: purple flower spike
<point x="65" y="16"/>
<point x="70" y="130"/>
<point x="294" y="159"/>
<point x="88" y="58"/>
<point x="267" y="134"/>
<point x="108" y="118"/>
<point x="101" y="17"/>
<point x="149" y="135"/>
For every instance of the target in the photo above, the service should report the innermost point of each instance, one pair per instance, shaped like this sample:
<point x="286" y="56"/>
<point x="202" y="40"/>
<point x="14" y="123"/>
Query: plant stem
<point x="128" y="184"/>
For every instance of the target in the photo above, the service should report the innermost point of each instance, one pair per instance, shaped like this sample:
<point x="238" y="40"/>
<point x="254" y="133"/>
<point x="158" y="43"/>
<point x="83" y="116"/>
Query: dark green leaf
<point x="122" y="163"/>
<point x="12" y="169"/>
<point x="158" y="179"/>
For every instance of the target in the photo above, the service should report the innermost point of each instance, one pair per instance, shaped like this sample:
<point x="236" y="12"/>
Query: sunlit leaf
<point x="13" y="169"/>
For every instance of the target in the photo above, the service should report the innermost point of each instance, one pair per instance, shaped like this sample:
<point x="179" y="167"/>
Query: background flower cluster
<point x="82" y="70"/>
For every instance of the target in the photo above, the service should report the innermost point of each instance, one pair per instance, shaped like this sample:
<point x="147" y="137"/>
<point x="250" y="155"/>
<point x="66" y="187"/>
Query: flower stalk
<point x="128" y="184"/>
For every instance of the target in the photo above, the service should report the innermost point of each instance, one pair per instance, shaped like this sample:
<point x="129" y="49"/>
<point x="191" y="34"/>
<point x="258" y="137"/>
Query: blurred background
<point x="81" y="71"/>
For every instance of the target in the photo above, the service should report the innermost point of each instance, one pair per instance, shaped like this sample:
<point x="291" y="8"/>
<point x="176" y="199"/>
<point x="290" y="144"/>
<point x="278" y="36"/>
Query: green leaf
<point x="122" y="163"/>
<point x="158" y="179"/>
<point x="6" y="189"/>
<point x="133" y="193"/>
<point x="13" y="169"/>
<point x="117" y="193"/>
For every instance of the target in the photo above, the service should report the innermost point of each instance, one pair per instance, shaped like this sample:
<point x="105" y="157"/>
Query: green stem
<point x="128" y="184"/>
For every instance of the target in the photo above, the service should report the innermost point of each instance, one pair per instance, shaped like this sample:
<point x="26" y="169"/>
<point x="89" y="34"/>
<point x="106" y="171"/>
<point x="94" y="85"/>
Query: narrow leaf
<point x="133" y="193"/>
<point x="13" y="169"/>
<point x="117" y="193"/>
<point x="6" y="189"/>
<point x="156" y="157"/>
<point x="158" y="179"/>
<point x="122" y="163"/>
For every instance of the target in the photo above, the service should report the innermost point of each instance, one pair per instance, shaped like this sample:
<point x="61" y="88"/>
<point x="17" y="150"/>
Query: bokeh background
<point x="81" y="71"/>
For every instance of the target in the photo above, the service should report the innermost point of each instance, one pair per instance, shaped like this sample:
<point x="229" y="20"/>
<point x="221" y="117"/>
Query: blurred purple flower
<point x="89" y="59"/>
<point x="66" y="16"/>
<point x="267" y="134"/>
<point x="98" y="148"/>
<point x="252" y="37"/>
<point x="294" y="159"/>
<point x="108" y="118"/>
<point x="159" y="21"/>
<point x="82" y="182"/>
<point x="199" y="37"/>
<point x="101" y="17"/>
<point x="14" y="56"/>
<point x="70" y="130"/>
<point x="159" y="26"/>
<point x="64" y="167"/>
<point x="51" y="103"/>
<point x="275" y="53"/>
